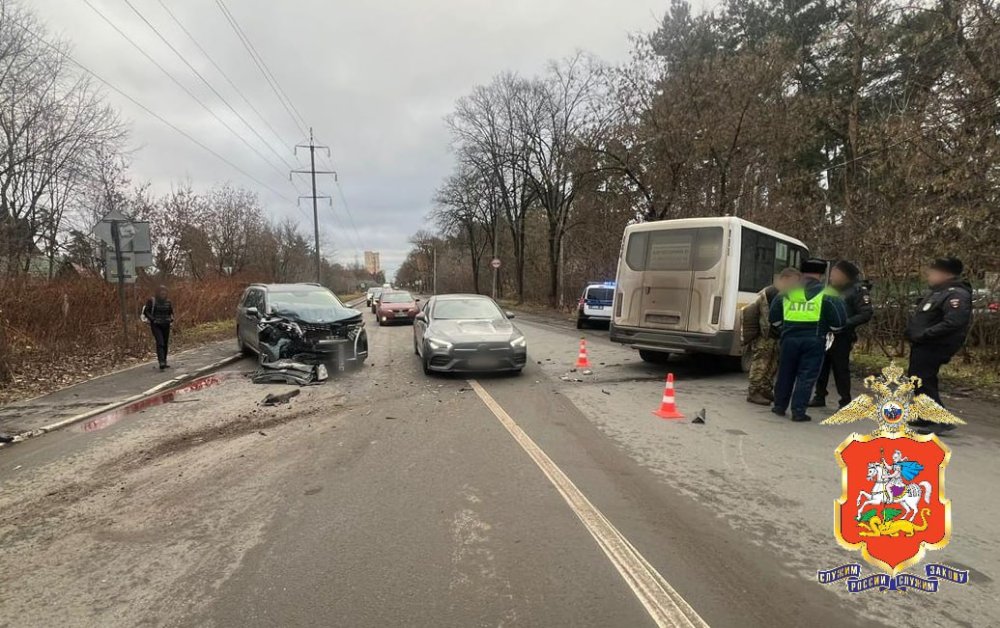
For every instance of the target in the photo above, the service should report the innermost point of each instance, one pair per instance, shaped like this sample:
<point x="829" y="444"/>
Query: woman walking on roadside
<point x="159" y="313"/>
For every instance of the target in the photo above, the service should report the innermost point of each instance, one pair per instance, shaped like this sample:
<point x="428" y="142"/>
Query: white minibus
<point x="681" y="283"/>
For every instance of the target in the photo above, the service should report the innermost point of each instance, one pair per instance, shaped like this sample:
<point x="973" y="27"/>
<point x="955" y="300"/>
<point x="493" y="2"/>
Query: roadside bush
<point x="44" y="322"/>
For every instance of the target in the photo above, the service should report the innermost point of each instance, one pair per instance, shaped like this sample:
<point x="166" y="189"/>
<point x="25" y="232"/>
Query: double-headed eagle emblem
<point x="894" y="404"/>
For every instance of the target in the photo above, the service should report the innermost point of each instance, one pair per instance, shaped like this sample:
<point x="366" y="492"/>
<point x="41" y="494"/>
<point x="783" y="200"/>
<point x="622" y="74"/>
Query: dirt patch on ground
<point x="141" y="527"/>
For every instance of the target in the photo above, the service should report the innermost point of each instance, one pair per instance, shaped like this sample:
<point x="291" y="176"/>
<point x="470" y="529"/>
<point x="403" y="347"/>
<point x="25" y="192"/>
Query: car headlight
<point x="518" y="343"/>
<point x="438" y="344"/>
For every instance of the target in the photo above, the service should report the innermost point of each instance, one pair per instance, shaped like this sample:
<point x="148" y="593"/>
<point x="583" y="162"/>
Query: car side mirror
<point x="420" y="317"/>
<point x="509" y="314"/>
<point x="253" y="312"/>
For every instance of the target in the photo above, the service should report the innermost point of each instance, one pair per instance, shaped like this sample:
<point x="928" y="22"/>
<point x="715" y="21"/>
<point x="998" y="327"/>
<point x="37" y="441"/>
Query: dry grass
<point x="54" y="333"/>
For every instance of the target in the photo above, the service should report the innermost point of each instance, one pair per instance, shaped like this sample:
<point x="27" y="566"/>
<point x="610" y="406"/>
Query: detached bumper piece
<point x="289" y="372"/>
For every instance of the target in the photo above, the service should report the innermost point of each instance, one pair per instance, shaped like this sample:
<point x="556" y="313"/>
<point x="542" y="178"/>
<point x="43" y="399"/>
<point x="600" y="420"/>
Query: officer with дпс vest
<point x="805" y="315"/>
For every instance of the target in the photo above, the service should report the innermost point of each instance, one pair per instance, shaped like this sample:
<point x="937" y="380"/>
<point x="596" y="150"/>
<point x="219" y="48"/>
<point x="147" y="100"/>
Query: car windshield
<point x="467" y="309"/>
<point x="302" y="301"/>
<point x="397" y="297"/>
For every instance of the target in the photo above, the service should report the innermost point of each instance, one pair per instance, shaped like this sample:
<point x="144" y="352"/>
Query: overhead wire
<point x="289" y="106"/>
<point x="222" y="72"/>
<point x="207" y="83"/>
<point x="265" y="71"/>
<point x="177" y="82"/>
<point x="150" y="112"/>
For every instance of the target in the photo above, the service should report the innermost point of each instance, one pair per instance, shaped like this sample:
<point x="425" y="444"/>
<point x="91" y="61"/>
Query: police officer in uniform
<point x="159" y="313"/>
<point x="806" y="314"/>
<point x="858" y="304"/>
<point x="938" y="327"/>
<point x="761" y="340"/>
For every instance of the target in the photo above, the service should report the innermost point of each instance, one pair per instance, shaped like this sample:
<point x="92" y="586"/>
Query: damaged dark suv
<point x="299" y="321"/>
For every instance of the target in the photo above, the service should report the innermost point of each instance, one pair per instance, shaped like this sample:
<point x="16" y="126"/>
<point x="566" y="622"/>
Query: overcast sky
<point x="374" y="78"/>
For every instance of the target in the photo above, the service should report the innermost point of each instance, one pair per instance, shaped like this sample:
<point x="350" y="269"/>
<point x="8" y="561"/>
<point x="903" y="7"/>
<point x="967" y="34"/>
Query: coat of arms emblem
<point x="892" y="505"/>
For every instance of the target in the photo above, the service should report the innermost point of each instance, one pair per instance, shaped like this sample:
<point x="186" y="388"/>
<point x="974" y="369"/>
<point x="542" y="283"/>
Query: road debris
<point x="272" y="399"/>
<point x="700" y="417"/>
<point x="605" y="392"/>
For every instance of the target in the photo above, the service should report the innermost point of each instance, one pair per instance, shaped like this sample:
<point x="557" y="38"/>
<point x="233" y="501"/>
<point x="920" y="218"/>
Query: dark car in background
<point x="467" y="333"/>
<point x="373" y="299"/>
<point x="324" y="327"/>
<point x="396" y="306"/>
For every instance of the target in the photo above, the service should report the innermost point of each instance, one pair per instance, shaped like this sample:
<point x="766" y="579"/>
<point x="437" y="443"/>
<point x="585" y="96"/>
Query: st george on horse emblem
<point x="892" y="505"/>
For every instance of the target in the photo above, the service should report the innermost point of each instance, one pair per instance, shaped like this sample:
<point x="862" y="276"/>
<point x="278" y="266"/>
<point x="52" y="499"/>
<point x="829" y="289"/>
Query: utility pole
<point x="116" y="237"/>
<point x="312" y="172"/>
<point x="434" y="251"/>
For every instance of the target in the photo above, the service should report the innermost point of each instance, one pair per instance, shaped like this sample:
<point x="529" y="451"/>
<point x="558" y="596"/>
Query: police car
<point x="595" y="303"/>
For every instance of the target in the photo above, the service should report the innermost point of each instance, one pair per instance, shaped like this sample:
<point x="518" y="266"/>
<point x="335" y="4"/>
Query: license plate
<point x="482" y="363"/>
<point x="400" y="314"/>
<point x="597" y="307"/>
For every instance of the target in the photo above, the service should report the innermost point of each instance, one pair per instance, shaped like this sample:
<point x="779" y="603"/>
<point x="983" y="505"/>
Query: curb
<point x="170" y="383"/>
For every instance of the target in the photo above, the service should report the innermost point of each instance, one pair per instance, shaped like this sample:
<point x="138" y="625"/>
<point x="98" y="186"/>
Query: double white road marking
<point x="665" y="606"/>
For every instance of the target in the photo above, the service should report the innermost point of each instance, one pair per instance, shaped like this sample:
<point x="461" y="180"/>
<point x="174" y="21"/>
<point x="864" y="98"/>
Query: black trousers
<point x="838" y="360"/>
<point x="161" y="334"/>
<point x="925" y="362"/>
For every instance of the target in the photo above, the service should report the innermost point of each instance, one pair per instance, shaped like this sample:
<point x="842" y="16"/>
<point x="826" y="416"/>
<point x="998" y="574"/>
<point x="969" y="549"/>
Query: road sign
<point x="111" y="266"/>
<point x="133" y="236"/>
<point x="495" y="263"/>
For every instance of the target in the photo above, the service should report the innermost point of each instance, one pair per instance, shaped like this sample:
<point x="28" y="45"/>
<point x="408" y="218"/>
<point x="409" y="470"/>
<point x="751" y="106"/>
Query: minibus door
<point x="707" y="277"/>
<point x="666" y="282"/>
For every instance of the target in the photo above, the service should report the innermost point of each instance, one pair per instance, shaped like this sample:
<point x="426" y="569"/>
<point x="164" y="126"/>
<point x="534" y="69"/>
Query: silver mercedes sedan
<point x="467" y="333"/>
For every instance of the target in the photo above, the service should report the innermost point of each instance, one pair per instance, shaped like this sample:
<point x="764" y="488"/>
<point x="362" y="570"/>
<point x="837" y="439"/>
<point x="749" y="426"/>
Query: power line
<point x="350" y="216"/>
<point x="258" y="60"/>
<point x="232" y="83"/>
<point x="181" y="85"/>
<point x="149" y="111"/>
<point x="206" y="82"/>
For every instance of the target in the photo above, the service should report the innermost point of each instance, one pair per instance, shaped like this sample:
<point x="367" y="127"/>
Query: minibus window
<point x="670" y="250"/>
<point x="761" y="257"/>
<point x="635" y="251"/>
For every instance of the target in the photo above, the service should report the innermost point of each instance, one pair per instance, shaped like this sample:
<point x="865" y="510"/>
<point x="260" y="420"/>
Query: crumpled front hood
<point x="473" y="330"/>
<point x="319" y="315"/>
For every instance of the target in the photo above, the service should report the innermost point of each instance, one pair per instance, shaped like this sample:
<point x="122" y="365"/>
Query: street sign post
<point x="127" y="247"/>
<point x="495" y="264"/>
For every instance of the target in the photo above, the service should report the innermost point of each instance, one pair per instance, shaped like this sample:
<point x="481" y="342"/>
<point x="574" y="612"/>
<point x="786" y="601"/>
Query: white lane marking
<point x="665" y="605"/>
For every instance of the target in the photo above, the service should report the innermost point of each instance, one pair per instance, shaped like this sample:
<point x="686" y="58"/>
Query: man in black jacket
<point x="858" y="303"/>
<point x="159" y="313"/>
<point x="937" y="329"/>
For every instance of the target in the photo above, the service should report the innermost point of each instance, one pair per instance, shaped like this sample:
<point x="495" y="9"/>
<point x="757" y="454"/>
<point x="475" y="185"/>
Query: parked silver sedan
<point x="467" y="333"/>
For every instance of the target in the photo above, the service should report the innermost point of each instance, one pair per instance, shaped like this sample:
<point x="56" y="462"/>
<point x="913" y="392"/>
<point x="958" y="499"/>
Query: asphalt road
<point x="387" y="498"/>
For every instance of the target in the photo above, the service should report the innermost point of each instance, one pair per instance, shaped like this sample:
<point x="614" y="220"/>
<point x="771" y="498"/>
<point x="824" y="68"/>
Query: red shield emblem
<point x="893" y="505"/>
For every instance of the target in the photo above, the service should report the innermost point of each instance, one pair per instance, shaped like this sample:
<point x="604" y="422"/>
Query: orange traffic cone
<point x="581" y="358"/>
<point x="668" y="407"/>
